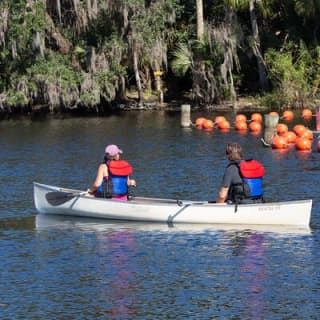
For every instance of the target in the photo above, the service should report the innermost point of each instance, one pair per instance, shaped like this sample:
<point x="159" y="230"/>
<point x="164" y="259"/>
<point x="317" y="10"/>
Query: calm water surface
<point x="64" y="268"/>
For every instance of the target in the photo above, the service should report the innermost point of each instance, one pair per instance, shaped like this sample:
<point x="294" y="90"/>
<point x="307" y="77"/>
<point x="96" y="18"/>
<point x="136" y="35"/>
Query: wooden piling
<point x="185" y="115"/>
<point x="270" y="120"/>
<point x="270" y="128"/>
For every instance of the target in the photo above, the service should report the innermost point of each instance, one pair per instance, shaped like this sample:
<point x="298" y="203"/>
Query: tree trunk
<point x="136" y="71"/>
<point x="200" y="27"/>
<point x="257" y="49"/>
<point x="58" y="5"/>
<point x="60" y="41"/>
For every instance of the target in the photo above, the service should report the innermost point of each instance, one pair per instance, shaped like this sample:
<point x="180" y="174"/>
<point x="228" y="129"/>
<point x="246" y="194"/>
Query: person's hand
<point x="132" y="183"/>
<point x="90" y="192"/>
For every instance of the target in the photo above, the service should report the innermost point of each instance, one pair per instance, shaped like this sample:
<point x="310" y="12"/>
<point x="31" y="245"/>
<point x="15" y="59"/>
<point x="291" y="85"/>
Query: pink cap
<point x="112" y="150"/>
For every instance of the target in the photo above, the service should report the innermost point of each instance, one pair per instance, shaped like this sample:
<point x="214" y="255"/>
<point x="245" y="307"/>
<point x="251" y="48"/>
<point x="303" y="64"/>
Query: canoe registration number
<point x="269" y="208"/>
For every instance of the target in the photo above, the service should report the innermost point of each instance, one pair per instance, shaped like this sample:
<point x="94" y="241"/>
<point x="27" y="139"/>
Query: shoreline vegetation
<point x="243" y="104"/>
<point x="94" y="57"/>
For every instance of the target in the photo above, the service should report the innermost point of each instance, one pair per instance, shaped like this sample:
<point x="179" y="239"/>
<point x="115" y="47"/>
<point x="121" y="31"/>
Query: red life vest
<point x="120" y="168"/>
<point x="251" y="169"/>
<point x="252" y="172"/>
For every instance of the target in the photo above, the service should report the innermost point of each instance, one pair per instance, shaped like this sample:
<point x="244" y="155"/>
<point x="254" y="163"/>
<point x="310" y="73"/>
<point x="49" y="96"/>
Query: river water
<point x="91" y="269"/>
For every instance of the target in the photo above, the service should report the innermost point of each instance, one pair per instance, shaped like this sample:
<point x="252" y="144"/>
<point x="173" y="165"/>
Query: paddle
<point x="57" y="198"/>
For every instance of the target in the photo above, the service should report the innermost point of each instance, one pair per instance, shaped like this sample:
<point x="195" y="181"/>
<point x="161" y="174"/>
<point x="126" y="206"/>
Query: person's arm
<point x="102" y="172"/>
<point x="222" y="195"/>
<point x="226" y="183"/>
<point x="131" y="182"/>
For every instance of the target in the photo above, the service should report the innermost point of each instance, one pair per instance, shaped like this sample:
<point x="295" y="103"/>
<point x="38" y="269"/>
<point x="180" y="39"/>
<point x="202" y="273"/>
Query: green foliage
<point x="55" y="68"/>
<point x="263" y="6"/>
<point x="79" y="51"/>
<point x="274" y="100"/>
<point x="292" y="73"/>
<point x="165" y="35"/>
<point x="53" y="81"/>
<point x="182" y="60"/>
<point x="307" y="8"/>
<point x="316" y="72"/>
<point x="90" y="97"/>
<point x="16" y="98"/>
<point x="24" y="22"/>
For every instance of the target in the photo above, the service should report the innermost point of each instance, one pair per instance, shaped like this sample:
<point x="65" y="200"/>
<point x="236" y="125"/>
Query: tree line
<point x="89" y="54"/>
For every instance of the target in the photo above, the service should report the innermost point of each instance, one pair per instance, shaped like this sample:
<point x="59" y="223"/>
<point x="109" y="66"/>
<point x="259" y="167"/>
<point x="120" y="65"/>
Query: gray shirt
<point x="231" y="176"/>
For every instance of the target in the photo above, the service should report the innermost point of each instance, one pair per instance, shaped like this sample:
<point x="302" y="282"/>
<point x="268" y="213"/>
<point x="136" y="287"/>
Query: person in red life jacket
<point x="113" y="176"/>
<point x="242" y="180"/>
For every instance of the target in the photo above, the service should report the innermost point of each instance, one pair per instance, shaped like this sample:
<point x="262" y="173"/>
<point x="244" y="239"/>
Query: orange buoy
<point x="240" y="117"/>
<point x="241" y="125"/>
<point x="306" y="114"/>
<point x="291" y="137"/>
<point x="255" y="126"/>
<point x="273" y="113"/>
<point x="303" y="144"/>
<point x="257" y="117"/>
<point x="307" y="134"/>
<point x="279" y="142"/>
<point x="299" y="129"/>
<point x="208" y="124"/>
<point x="218" y="119"/>
<point x="282" y="129"/>
<point x="224" y="124"/>
<point x="199" y="122"/>
<point x="287" y="115"/>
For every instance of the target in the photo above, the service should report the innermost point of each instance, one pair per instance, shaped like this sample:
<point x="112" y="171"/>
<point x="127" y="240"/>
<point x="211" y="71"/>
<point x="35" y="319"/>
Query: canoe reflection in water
<point x="121" y="244"/>
<point x="253" y="274"/>
<point x="45" y="221"/>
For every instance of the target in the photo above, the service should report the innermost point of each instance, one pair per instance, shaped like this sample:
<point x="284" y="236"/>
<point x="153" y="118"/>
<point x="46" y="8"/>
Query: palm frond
<point x="181" y="62"/>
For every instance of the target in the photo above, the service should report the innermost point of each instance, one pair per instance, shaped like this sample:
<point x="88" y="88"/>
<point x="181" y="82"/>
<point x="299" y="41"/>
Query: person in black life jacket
<point x="113" y="176"/>
<point x="242" y="180"/>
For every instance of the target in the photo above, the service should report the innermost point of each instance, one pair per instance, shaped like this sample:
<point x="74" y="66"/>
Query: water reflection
<point x="120" y="270"/>
<point x="249" y="247"/>
<point x="253" y="275"/>
<point x="25" y="223"/>
<point x="46" y="221"/>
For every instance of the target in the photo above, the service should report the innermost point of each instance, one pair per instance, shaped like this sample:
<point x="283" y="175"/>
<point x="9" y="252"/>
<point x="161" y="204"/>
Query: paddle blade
<point x="56" y="198"/>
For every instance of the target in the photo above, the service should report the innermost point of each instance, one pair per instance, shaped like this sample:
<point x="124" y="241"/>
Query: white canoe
<point x="61" y="201"/>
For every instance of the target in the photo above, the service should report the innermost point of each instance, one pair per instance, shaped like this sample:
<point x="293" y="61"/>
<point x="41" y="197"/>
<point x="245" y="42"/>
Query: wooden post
<point x="270" y="124"/>
<point x="271" y="121"/>
<point x="157" y="75"/>
<point x="185" y="116"/>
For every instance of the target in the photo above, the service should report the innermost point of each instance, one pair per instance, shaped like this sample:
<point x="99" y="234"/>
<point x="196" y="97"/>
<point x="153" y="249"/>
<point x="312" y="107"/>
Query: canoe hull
<point x="297" y="213"/>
